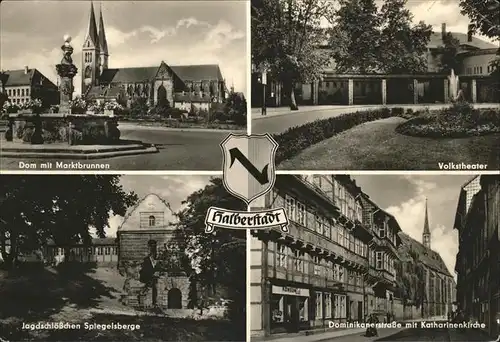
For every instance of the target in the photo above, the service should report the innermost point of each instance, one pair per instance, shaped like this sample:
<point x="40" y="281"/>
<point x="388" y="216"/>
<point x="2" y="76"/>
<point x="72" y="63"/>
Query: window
<point x="379" y="260"/>
<point x="359" y="212"/>
<point x="381" y="230"/>
<point x="351" y="243"/>
<point x="317" y="266"/>
<point x="351" y="277"/>
<point x="327" y="229"/>
<point x="18" y="91"/>
<point x="299" y="262"/>
<point x="341" y="236"/>
<point x="301" y="213"/>
<point x="356" y="246"/>
<point x="99" y="251"/>
<point x="290" y="207"/>
<point x="480" y="69"/>
<point x="22" y="92"/>
<point x="152" y="221"/>
<point x="319" y="305"/>
<point x="107" y="251"/>
<point x="341" y="274"/>
<point x="328" y="305"/>
<point x="282" y="255"/>
<point x="319" y="224"/>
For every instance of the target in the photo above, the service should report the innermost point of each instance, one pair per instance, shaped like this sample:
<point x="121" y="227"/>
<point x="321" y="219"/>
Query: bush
<point x="299" y="138"/>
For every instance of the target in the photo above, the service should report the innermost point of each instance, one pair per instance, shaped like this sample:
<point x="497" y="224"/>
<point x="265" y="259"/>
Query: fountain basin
<point x="73" y="129"/>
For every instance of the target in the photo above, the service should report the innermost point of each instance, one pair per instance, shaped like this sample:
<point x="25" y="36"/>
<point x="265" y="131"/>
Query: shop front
<point x="290" y="308"/>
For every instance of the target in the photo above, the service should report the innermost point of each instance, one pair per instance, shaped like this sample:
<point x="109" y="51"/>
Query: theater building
<point x="319" y="271"/>
<point x="478" y="260"/>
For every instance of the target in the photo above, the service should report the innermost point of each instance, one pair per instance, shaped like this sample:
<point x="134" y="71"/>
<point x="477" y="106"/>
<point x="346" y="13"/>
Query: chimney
<point x="470" y="31"/>
<point x="26" y="70"/>
<point x="443" y="30"/>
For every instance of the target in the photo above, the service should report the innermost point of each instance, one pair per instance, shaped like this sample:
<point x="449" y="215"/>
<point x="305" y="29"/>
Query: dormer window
<point x="152" y="221"/>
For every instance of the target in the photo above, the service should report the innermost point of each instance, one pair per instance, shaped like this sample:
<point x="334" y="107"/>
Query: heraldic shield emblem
<point x="248" y="165"/>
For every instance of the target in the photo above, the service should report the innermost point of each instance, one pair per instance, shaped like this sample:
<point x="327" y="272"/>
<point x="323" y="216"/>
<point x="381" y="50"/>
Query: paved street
<point x="414" y="335"/>
<point x="178" y="150"/>
<point x="280" y="119"/>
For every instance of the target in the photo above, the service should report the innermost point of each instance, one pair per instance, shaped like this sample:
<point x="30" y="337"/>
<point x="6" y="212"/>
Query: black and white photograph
<point x="121" y="85"/>
<point x="119" y="258"/>
<point x="378" y="84"/>
<point x="417" y="255"/>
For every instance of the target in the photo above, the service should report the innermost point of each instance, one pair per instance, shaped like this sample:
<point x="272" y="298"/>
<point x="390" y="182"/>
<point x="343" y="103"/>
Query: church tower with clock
<point x="94" y="53"/>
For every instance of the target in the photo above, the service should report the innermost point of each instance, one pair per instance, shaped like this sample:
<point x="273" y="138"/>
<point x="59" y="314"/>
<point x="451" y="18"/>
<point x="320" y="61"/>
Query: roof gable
<point x="427" y="256"/>
<point x="151" y="203"/>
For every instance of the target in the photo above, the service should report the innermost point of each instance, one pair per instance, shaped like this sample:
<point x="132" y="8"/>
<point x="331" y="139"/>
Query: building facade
<point x="27" y="84"/>
<point x="474" y="56"/>
<point x="478" y="258"/>
<point x="183" y="86"/>
<point x="102" y="251"/>
<point x="323" y="269"/>
<point x="151" y="223"/>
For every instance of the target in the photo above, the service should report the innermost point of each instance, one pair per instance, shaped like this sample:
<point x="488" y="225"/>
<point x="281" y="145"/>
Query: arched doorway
<point x="161" y="95"/>
<point x="174" y="299"/>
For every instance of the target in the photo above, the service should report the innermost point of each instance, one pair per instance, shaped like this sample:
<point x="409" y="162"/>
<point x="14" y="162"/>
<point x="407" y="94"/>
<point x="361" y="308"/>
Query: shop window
<point x="304" y="309"/>
<point x="319" y="305"/>
<point x="277" y="308"/>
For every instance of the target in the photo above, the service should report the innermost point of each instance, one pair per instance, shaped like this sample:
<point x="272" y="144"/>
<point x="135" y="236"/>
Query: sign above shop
<point x="290" y="291"/>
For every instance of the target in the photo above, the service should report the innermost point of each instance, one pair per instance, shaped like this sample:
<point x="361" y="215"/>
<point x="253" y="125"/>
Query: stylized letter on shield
<point x="248" y="165"/>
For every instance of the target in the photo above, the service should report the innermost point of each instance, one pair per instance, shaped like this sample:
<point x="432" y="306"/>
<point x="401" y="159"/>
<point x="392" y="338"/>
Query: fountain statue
<point x="66" y="71"/>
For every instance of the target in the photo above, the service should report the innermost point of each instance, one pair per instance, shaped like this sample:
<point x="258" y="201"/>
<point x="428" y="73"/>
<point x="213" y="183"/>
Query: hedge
<point x="296" y="139"/>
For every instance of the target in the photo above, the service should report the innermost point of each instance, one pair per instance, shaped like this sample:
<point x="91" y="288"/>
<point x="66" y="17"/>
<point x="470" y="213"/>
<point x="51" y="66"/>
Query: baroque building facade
<point x="478" y="260"/>
<point x="336" y="263"/>
<point x="183" y="86"/>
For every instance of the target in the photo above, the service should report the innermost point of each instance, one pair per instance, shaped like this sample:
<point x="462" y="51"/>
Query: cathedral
<point x="183" y="86"/>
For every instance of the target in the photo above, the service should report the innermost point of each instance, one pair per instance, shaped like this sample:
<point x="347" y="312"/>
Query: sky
<point x="404" y="197"/>
<point x="173" y="189"/>
<point x="139" y="33"/>
<point x="437" y="12"/>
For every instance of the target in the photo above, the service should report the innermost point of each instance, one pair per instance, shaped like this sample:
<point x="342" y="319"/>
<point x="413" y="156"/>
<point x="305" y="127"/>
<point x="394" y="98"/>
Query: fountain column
<point x="66" y="71"/>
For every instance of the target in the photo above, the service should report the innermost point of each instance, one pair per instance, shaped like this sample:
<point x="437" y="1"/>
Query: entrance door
<point x="161" y="95"/>
<point x="292" y="314"/>
<point x="174" y="299"/>
<point x="360" y="311"/>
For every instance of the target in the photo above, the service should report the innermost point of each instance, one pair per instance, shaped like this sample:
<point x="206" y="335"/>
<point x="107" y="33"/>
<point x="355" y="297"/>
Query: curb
<point x="79" y="156"/>
<point x="171" y="129"/>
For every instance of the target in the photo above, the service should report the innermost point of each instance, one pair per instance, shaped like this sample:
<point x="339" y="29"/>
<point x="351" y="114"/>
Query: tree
<point x="62" y="208"/>
<point x="448" y="53"/>
<point x="217" y="258"/>
<point x="365" y="40"/>
<point x="355" y="36"/>
<point x="286" y="36"/>
<point x="139" y="107"/>
<point x="402" y="44"/>
<point x="485" y="18"/>
<point x="235" y="107"/>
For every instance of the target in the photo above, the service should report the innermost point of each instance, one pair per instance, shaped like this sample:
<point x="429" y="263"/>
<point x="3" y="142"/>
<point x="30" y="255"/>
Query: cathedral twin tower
<point x="94" y="53"/>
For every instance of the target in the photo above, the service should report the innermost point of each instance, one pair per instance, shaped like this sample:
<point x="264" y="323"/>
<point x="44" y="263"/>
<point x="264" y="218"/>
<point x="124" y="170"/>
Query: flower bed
<point x="296" y="139"/>
<point x="459" y="120"/>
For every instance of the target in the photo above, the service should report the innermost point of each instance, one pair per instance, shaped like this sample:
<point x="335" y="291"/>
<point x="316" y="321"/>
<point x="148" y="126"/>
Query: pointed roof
<point x="427" y="231"/>
<point x="92" y="33"/>
<point x="102" y="34"/>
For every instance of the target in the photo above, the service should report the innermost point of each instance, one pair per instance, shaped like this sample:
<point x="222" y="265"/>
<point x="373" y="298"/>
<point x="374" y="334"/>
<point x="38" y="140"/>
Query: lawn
<point x="79" y="294"/>
<point x="376" y="146"/>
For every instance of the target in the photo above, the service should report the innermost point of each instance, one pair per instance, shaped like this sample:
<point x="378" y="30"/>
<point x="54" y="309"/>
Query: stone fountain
<point x="64" y="126"/>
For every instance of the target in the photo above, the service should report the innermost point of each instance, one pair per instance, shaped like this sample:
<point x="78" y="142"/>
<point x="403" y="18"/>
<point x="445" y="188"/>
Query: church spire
<point x="102" y="34"/>
<point x="92" y="33"/>
<point x="426" y="235"/>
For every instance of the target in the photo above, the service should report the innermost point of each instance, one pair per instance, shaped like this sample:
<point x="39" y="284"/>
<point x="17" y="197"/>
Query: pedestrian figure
<point x="372" y="330"/>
